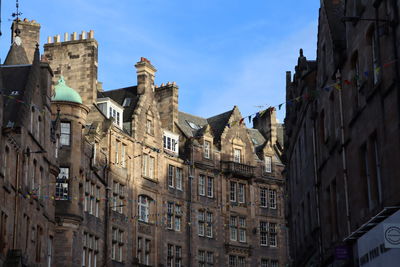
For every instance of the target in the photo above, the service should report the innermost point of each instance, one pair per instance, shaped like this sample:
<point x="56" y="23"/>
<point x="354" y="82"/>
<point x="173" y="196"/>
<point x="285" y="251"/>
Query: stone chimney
<point x="167" y="101"/>
<point x="29" y="33"/>
<point x="145" y="76"/>
<point x="267" y="125"/>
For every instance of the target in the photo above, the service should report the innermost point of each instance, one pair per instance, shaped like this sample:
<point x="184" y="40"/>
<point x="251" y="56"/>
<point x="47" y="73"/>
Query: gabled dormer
<point x="207" y="141"/>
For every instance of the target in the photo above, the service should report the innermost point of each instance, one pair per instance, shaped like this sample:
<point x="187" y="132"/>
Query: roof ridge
<point x="192" y="115"/>
<point x="223" y="113"/>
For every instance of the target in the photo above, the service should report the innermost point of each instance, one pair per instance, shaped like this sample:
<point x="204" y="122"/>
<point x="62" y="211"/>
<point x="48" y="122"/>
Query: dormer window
<point x="127" y="102"/>
<point x="111" y="109"/>
<point x="193" y="125"/>
<point x="115" y="114"/>
<point x="171" y="142"/>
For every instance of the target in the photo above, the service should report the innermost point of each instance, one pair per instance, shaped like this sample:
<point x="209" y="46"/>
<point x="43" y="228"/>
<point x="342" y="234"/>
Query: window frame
<point x="207" y="149"/>
<point x="144" y="206"/>
<point x="202" y="185"/>
<point x="64" y="183"/>
<point x="268" y="164"/>
<point x="237" y="155"/>
<point x="273" y="199"/>
<point x="67" y="134"/>
<point x="210" y="187"/>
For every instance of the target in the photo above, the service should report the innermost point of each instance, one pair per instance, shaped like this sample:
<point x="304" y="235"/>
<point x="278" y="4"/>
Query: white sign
<point x="391" y="233"/>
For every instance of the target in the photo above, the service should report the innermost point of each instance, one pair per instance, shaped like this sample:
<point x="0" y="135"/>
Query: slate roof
<point x="185" y="118"/>
<point x="16" y="55"/>
<point x="218" y="123"/>
<point x="15" y="79"/>
<point x="119" y="95"/>
<point x="257" y="138"/>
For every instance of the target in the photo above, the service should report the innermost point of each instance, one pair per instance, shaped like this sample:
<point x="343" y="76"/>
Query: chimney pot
<point x="57" y="38"/>
<point x="91" y="34"/>
<point x="49" y="40"/>
<point x="66" y="35"/>
<point x="73" y="36"/>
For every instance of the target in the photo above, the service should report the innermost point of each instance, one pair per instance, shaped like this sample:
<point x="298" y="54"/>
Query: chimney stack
<point x="29" y="33"/>
<point x="145" y="75"/>
<point x="267" y="125"/>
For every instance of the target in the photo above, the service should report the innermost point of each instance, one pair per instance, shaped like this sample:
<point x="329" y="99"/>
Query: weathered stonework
<point x="125" y="180"/>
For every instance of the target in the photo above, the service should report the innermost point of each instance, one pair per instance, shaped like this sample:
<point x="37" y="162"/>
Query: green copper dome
<point x="65" y="93"/>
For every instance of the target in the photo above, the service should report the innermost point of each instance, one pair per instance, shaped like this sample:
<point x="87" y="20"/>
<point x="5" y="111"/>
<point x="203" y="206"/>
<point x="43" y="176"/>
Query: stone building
<point x="28" y="163"/>
<point x="138" y="182"/>
<point x="350" y="131"/>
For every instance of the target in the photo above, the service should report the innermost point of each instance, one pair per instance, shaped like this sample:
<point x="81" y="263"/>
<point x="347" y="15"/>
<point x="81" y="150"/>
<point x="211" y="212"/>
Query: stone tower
<point x="75" y="58"/>
<point x="68" y="213"/>
<point x="29" y="33"/>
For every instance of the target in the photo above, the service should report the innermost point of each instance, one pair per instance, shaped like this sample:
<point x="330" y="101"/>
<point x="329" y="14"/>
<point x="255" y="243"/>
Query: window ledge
<point x="150" y="179"/>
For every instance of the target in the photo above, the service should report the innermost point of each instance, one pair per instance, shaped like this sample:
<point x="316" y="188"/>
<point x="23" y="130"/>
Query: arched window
<point x="144" y="208"/>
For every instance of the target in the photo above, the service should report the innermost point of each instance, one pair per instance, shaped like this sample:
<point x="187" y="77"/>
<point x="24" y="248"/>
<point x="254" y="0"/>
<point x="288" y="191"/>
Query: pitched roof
<point x="16" y="55"/>
<point x="15" y="79"/>
<point x="184" y="121"/>
<point x="119" y="95"/>
<point x="218" y="123"/>
<point x="257" y="138"/>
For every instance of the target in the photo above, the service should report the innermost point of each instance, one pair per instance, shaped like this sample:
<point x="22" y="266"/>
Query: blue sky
<point x="220" y="53"/>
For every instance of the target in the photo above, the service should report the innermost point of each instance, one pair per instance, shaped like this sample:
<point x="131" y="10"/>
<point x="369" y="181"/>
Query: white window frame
<point x="233" y="228"/>
<point x="233" y="191"/>
<point x="264" y="197"/>
<point x="242" y="230"/>
<point x="273" y="235"/>
<point x="143" y="208"/>
<point x="264" y="232"/>
<point x="65" y="133"/>
<point x="268" y="164"/>
<point x="201" y="223"/>
<point x="241" y="193"/>
<point x="171" y="176"/>
<point x="207" y="149"/>
<point x="171" y="142"/>
<point x="62" y="184"/>
<point x="237" y="155"/>
<point x="202" y="185"/>
<point x="209" y="224"/>
<point x="210" y="187"/>
<point x="178" y="178"/>
<point x="272" y="199"/>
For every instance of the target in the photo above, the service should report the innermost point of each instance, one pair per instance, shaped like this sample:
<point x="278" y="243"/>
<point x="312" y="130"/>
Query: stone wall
<point x="75" y="58"/>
